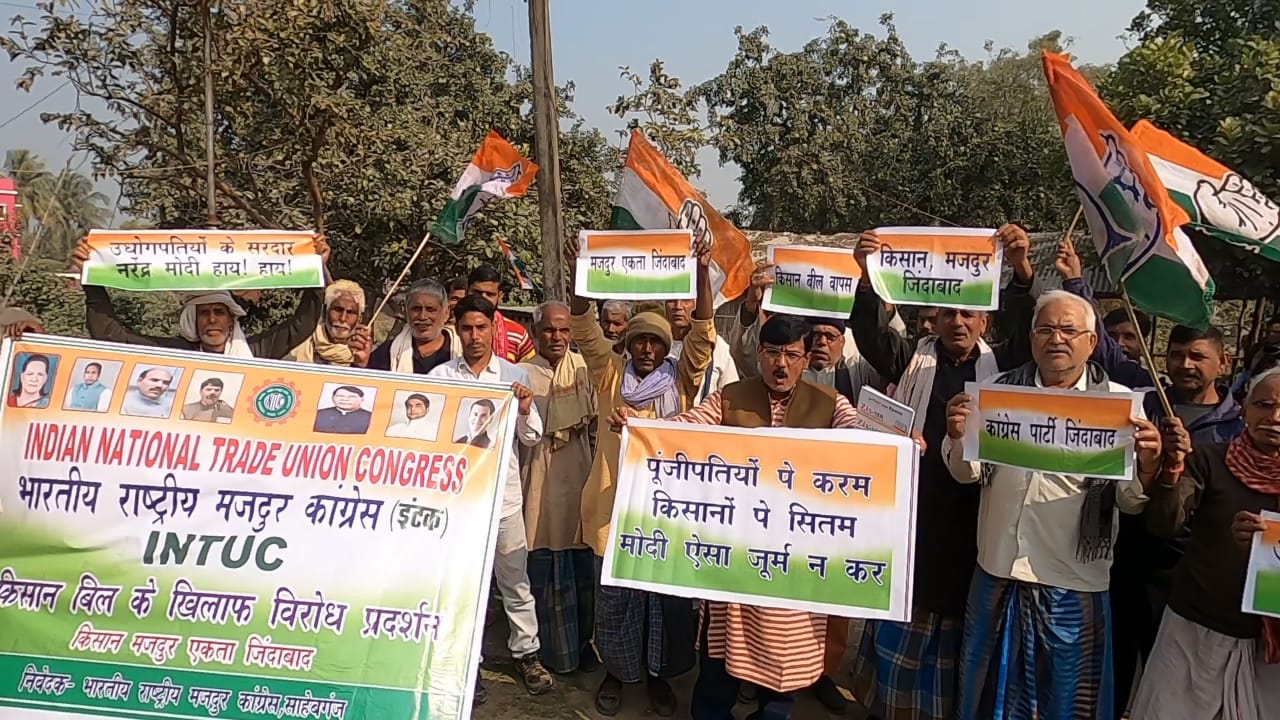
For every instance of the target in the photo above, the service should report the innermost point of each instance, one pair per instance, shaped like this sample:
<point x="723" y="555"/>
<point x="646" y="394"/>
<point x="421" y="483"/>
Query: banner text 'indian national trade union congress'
<point x="187" y="535"/>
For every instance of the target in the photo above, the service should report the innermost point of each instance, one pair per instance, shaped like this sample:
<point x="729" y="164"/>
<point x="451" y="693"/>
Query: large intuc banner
<point x="188" y="535"/>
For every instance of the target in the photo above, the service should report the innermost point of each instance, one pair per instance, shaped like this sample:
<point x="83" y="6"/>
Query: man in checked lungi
<point x="1037" y="640"/>
<point x="907" y="671"/>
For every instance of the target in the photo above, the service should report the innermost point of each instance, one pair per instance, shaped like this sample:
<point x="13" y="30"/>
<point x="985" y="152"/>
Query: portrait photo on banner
<point x="211" y="396"/>
<point x="345" y="409"/>
<point x="474" y="422"/>
<point x="91" y="385"/>
<point x="31" y="381"/>
<point x="152" y="390"/>
<point x="416" y="415"/>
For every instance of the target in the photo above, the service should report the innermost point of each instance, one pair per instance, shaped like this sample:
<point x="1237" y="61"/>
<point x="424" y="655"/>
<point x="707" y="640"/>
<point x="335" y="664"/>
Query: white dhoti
<point x="1195" y="673"/>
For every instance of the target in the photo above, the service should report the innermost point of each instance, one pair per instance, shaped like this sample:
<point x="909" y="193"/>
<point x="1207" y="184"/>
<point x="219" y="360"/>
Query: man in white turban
<point x="209" y="322"/>
<point x="339" y="338"/>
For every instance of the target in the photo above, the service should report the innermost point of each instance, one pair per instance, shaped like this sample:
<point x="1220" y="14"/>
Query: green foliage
<point x="850" y="132"/>
<point x="1210" y="74"/>
<point x="56" y="208"/>
<point x="664" y="113"/>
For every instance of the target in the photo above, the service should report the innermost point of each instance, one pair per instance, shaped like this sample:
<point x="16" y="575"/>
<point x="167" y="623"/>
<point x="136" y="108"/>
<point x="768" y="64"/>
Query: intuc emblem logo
<point x="274" y="402"/>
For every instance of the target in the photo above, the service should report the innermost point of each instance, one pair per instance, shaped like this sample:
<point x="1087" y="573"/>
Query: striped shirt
<point x="782" y="650"/>
<point x="511" y="341"/>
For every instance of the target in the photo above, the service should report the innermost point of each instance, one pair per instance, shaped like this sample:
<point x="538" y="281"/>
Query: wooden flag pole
<point x="392" y="291"/>
<point x="1146" y="354"/>
<point x="1133" y="318"/>
<point x="1071" y="229"/>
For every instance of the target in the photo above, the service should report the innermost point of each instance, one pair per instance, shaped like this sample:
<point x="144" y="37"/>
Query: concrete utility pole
<point x="211" y="198"/>
<point x="546" y="146"/>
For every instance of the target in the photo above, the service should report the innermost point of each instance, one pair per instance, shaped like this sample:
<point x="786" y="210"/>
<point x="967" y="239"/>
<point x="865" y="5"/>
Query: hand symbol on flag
<point x="693" y="218"/>
<point x="1236" y="206"/>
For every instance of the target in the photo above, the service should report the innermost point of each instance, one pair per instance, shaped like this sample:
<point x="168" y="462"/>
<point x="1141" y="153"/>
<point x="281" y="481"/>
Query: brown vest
<point x="746" y="404"/>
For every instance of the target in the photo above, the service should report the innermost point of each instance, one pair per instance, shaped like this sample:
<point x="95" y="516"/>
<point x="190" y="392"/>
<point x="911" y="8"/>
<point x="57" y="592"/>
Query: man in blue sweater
<point x="1143" y="567"/>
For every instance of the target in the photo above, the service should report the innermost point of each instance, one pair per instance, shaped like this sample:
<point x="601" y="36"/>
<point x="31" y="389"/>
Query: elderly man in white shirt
<point x="474" y="320"/>
<point x="1036" y="636"/>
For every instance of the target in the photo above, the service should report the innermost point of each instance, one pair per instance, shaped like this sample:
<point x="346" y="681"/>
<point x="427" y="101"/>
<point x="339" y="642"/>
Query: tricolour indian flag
<point x="1134" y="223"/>
<point x="1218" y="200"/>
<point x="517" y="266"/>
<point x="497" y="171"/>
<point x="655" y="196"/>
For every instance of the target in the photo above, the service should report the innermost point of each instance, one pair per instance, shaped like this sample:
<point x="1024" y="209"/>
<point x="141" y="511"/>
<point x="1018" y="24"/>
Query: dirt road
<point x="574" y="695"/>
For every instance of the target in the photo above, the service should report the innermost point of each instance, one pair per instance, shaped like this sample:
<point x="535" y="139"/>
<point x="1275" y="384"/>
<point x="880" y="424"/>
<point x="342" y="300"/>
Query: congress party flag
<point x="1218" y="200"/>
<point x="654" y="195"/>
<point x="497" y="171"/>
<point x="1133" y="222"/>
<point x="517" y="266"/>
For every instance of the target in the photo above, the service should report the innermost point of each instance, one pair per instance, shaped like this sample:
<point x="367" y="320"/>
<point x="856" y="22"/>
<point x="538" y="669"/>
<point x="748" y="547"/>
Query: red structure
<point x="10" y="222"/>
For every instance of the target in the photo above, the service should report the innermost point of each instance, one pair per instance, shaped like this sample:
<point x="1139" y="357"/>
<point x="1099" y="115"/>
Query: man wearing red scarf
<point x="1211" y="660"/>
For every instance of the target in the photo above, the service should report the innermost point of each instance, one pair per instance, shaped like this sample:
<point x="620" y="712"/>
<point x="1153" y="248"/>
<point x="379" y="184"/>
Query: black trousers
<point x="1136" y="609"/>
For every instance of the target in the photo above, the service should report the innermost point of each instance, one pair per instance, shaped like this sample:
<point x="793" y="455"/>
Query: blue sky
<point x="591" y="38"/>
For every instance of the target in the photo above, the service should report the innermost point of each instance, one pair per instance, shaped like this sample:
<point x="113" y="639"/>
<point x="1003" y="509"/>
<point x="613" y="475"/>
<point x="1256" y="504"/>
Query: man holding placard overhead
<point x="641" y="636"/>
<point x="209" y="321"/>
<point x="1036" y="635"/>
<point x="907" y="671"/>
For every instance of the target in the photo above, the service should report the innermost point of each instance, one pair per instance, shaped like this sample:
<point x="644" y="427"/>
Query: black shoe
<point x="536" y="678"/>
<point x="746" y="692"/>
<point x="609" y="696"/>
<point x="661" y="697"/>
<point x="587" y="660"/>
<point x="481" y="695"/>
<point x="830" y="696"/>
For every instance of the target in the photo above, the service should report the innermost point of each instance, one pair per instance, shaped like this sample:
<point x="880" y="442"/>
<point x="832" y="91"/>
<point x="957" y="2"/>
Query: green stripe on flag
<point x="1165" y="287"/>
<point x="1268" y="249"/>
<point x="621" y="219"/>
<point x="741" y="577"/>
<point x="453" y="219"/>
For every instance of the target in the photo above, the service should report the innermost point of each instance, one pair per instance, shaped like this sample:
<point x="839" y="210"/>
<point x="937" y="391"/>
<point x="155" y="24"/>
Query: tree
<point x="351" y="116"/>
<point x="850" y="132"/>
<point x="1210" y="74"/>
<point x="664" y="113"/>
<point x="57" y="209"/>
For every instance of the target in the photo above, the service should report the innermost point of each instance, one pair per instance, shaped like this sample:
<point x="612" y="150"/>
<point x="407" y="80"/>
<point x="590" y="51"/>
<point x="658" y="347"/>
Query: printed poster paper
<point x="1262" y="580"/>
<point x="192" y="260"/>
<point x="1067" y="432"/>
<point x="305" y="542"/>
<point x="946" y="267"/>
<point x="812" y="281"/>
<point x="636" y="265"/>
<point x="818" y="520"/>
